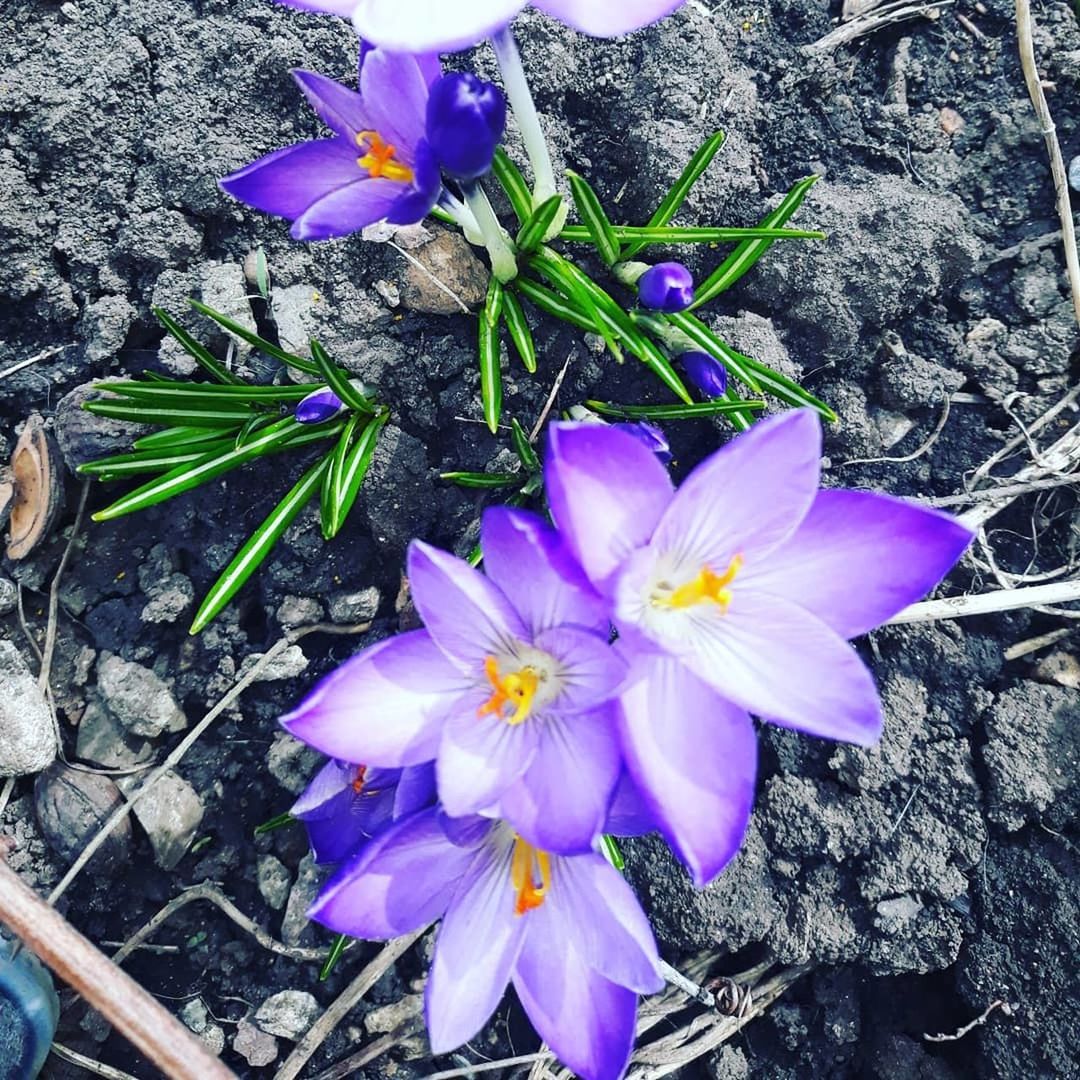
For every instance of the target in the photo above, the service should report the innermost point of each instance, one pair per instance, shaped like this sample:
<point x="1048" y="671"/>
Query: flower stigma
<point x="708" y="585"/>
<point x="379" y="158"/>
<point x="526" y="865"/>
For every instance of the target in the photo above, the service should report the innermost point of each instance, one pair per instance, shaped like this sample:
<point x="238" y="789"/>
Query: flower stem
<point x="462" y="216"/>
<point x="503" y="259"/>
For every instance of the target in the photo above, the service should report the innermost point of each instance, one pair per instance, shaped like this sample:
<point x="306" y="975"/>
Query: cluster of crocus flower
<point x="599" y="677"/>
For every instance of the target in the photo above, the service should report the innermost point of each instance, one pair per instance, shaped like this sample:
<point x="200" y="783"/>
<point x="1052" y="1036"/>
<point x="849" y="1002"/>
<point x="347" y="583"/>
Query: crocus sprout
<point x="567" y="931"/>
<point x="706" y="372"/>
<point x="736" y="594"/>
<point x="465" y="121"/>
<point x="667" y="286"/>
<point x="319" y="406"/>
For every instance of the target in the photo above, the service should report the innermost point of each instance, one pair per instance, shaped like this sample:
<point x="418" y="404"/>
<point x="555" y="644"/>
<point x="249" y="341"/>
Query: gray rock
<point x="83" y="436"/>
<point x="288" y="1014"/>
<point x="196" y="1017"/>
<point x="1074" y="173"/>
<point x="355" y="607"/>
<point x="9" y="596"/>
<point x="273" y="880"/>
<point x="138" y="698"/>
<point x="295" y="926"/>
<point x="170" y="812"/>
<point x="296" y="611"/>
<point x="104" y="741"/>
<point x="254" y="1045"/>
<point x="296" y="321"/>
<point x="447" y="261"/>
<point x="27" y="734"/>
<point x="728" y="1063"/>
<point x="291" y="763"/>
<point x="286" y="665"/>
<point x="224" y="288"/>
<point x="104" y="326"/>
<point x="169" y="594"/>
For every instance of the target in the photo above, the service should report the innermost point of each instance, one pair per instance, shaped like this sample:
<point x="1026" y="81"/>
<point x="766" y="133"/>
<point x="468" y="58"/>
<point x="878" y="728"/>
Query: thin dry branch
<point x="98" y="1068"/>
<point x="957" y="607"/>
<point x="871" y="20"/>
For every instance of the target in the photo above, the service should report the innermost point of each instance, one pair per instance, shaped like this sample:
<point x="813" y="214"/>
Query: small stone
<point x="27" y="734"/>
<point x="951" y="121"/>
<point x="1060" y="668"/>
<point x="389" y="292"/>
<point x="449" y="272"/>
<point x="195" y="1016"/>
<point x="288" y="1014"/>
<point x="169" y="594"/>
<point x="224" y="289"/>
<point x="296" y="611"/>
<point x="138" y="698"/>
<point x="274" y="881"/>
<point x="105" y="742"/>
<point x="296" y="924"/>
<point x="170" y="812"/>
<point x="9" y="596"/>
<point x="355" y="607"/>
<point x="293" y="310"/>
<point x="291" y="763"/>
<point x="286" y="665"/>
<point x="84" y="436"/>
<point x="255" y="1046"/>
<point x="1074" y="173"/>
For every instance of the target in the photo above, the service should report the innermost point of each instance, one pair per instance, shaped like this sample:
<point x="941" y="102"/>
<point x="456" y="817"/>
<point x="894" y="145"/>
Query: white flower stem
<point x="503" y="259"/>
<point x="462" y="217"/>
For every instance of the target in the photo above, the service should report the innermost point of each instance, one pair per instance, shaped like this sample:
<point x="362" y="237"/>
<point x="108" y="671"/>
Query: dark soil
<point x="926" y="878"/>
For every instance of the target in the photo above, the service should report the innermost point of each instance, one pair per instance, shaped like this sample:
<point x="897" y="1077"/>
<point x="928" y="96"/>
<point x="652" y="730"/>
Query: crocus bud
<point x="667" y="286"/>
<point x="648" y="435"/>
<point x="318" y="406"/>
<point x="705" y="372"/>
<point x="465" y="121"/>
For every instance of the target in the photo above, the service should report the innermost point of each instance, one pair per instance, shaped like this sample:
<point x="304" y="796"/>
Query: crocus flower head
<point x="510" y="687"/>
<point x="566" y="930"/>
<point x="378" y="165"/>
<point x="667" y="286"/>
<point x="736" y="594"/>
<point x="465" y="121"/>
<point x="705" y="372"/>
<point x="319" y="406"/>
<point x="650" y="436"/>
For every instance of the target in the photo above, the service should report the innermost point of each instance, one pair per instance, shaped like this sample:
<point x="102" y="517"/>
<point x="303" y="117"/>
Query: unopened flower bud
<point x="667" y="286"/>
<point x="465" y="121"/>
<point x="319" y="406"/>
<point x="705" y="372"/>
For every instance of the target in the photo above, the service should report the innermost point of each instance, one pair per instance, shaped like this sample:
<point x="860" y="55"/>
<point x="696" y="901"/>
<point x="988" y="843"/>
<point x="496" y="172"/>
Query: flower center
<point x="516" y="689"/>
<point x="379" y="159"/>
<point x="358" y="779"/>
<point x="526" y="865"/>
<point x="707" y="586"/>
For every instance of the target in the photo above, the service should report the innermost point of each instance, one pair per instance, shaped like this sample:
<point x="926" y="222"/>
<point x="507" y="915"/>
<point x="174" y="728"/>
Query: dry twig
<point x="1004" y="1006"/>
<point x="98" y="1068"/>
<point x="876" y="18"/>
<point x="957" y="607"/>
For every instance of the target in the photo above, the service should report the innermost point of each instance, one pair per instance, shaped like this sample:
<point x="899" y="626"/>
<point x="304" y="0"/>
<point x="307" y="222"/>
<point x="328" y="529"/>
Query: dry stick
<point x="1006" y="491"/>
<point x="145" y="1022"/>
<point x="1057" y="163"/>
<point x="374" y="1049"/>
<point x="556" y="387"/>
<point x="1004" y="1006"/>
<point x="190" y="739"/>
<point x="873" y="20"/>
<point x="89" y="1064"/>
<point x="491" y="1066"/>
<point x="346" y="1001"/>
<point x="1025" y="648"/>
<point x="956" y="607"/>
<point x="46" y="354"/>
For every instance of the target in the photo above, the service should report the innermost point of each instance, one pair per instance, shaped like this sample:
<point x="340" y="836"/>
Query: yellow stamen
<point x="517" y="688"/>
<point x="379" y="159"/>
<point x="707" y="586"/>
<point x="358" y="779"/>
<point x="530" y="895"/>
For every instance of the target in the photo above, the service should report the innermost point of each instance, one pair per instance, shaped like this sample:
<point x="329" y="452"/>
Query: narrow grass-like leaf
<point x="669" y="205"/>
<point x="338" y="380"/>
<point x="514" y="316"/>
<point x="490" y="374"/>
<point x="481" y="479"/>
<point x="553" y="303"/>
<point x="190" y="394"/>
<point x="337" y="947"/>
<point x="788" y="391"/>
<point x="737" y="364"/>
<point x="532" y="233"/>
<point x="277" y="822"/>
<point x="523" y="448"/>
<point x="173" y="437"/>
<point x="691" y="234"/>
<point x="252" y="428"/>
<point x="332" y="480"/>
<point x="748" y="252"/>
<point x="155" y="461"/>
<point x="493" y="303"/>
<point x="611" y="852"/>
<point x="262" y="274"/>
<point x="257" y="342"/>
<point x="250" y="556"/>
<point x="224" y="416"/>
<point x="195" y="349"/>
<point x="355" y="469"/>
<point x="514" y="184"/>
<point x="716" y="407"/>
<point x="596" y="220"/>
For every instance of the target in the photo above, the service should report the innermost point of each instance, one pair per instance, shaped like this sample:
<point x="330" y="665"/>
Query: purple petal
<point x="593" y="671"/>
<point x="329" y="782"/>
<point x="629" y="813"/>
<point x="606" y="492"/>
<point x="395" y="93"/>
<point x="693" y="756"/>
<point x="477" y="946"/>
<point x="747" y="497"/>
<point x="400" y="882"/>
<point x="533" y="565"/>
<point x="418" y="199"/>
<point x="415" y="789"/>
<point x="385" y="706"/>
<point x="467" y="615"/>
<point x="608" y="18"/>
<point x="344" y="8"/>
<point x="561" y="802"/>
<point x="858" y="558"/>
<point x="419" y="26"/>
<point x="348" y="209"/>
<point x="341" y="109"/>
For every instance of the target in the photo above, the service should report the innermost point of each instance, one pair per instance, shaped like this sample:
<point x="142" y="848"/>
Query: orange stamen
<point x="379" y="158"/>
<point x="358" y="779"/>
<point x="517" y="689"/>
<point x="530" y="895"/>
<point x="707" y="586"/>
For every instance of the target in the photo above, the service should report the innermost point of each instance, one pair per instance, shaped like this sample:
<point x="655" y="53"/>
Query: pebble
<point x="296" y="611"/>
<point x="196" y="1017"/>
<point x="170" y="812"/>
<point x="138" y="698"/>
<point x="255" y="1046"/>
<point x="169" y="594"/>
<point x="9" y="596"/>
<point x="84" y="436"/>
<point x="288" y="1014"/>
<point x="286" y="665"/>
<point x="103" y="741"/>
<point x="274" y="881"/>
<point x="291" y="763"/>
<point x="1074" y="173"/>
<point x="309" y="879"/>
<point x="447" y="260"/>
<point x="27" y="734"/>
<point x="355" y="607"/>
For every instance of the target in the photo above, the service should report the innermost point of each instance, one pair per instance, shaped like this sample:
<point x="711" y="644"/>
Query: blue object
<point x="465" y="121"/>
<point x="667" y="286"/>
<point x="706" y="373"/>
<point x="29" y="1011"/>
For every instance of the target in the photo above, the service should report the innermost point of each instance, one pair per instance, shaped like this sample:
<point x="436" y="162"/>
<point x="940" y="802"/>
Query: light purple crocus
<point x="511" y="687"/>
<point x="443" y="26"/>
<point x="736" y="594"/>
<point x="650" y="436"/>
<point x="378" y="165"/>
<point x="567" y="931"/>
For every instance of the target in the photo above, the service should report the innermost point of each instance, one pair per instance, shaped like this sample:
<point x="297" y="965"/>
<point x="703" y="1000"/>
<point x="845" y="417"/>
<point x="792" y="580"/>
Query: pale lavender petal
<point x="348" y="209"/>
<point x="746" y="498"/>
<point x="466" y="615"/>
<point x="328" y="783"/>
<point x="587" y="1020"/>
<point x="344" y="8"/>
<point x="533" y="565"/>
<point x="415" y="789"/>
<point x="608" y="18"/>
<point x="629" y="813"/>
<point x="403" y="880"/>
<point x="395" y="93"/>
<point x="476" y="949"/>
<point x="430" y="66"/>
<point x="592" y="670"/>
<point x="693" y="757"/>
<point x="561" y="802"/>
<point x="858" y="558"/>
<point x="341" y="109"/>
<point x="606" y="493"/>
<point x="431" y="25"/>
<point x="777" y="660"/>
<point x="384" y="706"/>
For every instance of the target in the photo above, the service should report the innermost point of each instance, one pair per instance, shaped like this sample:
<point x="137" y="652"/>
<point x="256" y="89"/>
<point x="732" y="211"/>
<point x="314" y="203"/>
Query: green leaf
<point x="493" y="303"/>
<point x="748" y="252"/>
<point x="338" y="380"/>
<point x="353" y="471"/>
<point x="737" y="364"/>
<point x="690" y="234"/>
<point x="262" y="274"/>
<point x="554" y="304"/>
<point x="332" y="479"/>
<point x="780" y="386"/>
<point x="122" y="465"/>
<point x="671" y="202"/>
<point x="700" y="409"/>
<point x="176" y="436"/>
<point x="611" y="852"/>
<point x="260" y="343"/>
<point x="490" y="374"/>
<point x="523" y="448"/>
<point x="190" y="395"/>
<point x="250" y="556"/>
<point x="514" y="184"/>
<point x="336" y="949"/>
<point x="596" y="220"/>
<point x="278" y="822"/>
<point x="199" y="352"/>
<point x="481" y="480"/>
<point x="514" y="316"/>
<point x="532" y="233"/>
<point x="741" y="419"/>
<point x="224" y="416"/>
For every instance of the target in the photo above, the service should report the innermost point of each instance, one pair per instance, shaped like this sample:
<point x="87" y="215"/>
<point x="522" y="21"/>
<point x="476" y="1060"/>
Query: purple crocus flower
<point x="511" y="687"/>
<point x="465" y="121"/>
<point x="650" y="436"/>
<point x="705" y="372"/>
<point x="736" y="594"/>
<point x="667" y="286"/>
<point x="319" y="406"/>
<point x="434" y="25"/>
<point x="346" y="805"/>
<point x="567" y="931"/>
<point x="378" y="166"/>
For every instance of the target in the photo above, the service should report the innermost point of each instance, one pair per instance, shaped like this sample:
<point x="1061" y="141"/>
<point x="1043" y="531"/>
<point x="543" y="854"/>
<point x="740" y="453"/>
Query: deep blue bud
<point x="705" y="372"/>
<point x="649" y="435"/>
<point x="465" y="121"/>
<point x="667" y="286"/>
<point x="318" y="406"/>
